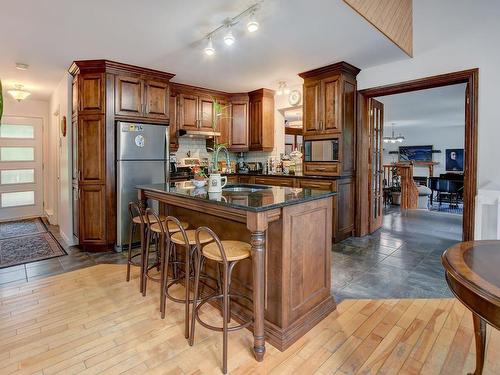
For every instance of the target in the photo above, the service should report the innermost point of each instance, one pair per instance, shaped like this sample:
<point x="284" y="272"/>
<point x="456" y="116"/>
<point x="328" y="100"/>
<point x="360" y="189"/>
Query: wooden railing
<point x="409" y="192"/>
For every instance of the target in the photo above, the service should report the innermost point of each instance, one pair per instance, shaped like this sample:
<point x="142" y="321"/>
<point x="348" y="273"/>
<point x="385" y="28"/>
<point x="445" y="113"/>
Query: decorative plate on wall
<point x="294" y="97"/>
<point x="63" y="126"/>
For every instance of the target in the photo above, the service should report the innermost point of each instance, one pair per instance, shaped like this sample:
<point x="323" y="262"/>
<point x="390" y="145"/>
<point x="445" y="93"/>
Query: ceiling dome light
<point x="209" y="49"/>
<point x="252" y="25"/>
<point x="22" y="66"/>
<point x="18" y="93"/>
<point x="229" y="38"/>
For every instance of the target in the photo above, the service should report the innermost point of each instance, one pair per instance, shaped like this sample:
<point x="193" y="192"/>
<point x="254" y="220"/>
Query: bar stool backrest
<point x="214" y="237"/>
<point x="176" y="221"/>
<point x="135" y="211"/>
<point x="150" y="213"/>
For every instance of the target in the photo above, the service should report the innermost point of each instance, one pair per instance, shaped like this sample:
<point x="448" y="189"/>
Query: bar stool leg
<point x="186" y="281"/>
<point x="225" y="307"/>
<point x="164" y="262"/>
<point x="146" y="263"/>
<point x="197" y="272"/>
<point x="130" y="238"/>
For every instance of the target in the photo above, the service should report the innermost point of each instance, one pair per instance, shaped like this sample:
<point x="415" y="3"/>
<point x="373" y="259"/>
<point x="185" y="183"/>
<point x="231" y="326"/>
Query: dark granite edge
<point x="255" y="174"/>
<point x="325" y="194"/>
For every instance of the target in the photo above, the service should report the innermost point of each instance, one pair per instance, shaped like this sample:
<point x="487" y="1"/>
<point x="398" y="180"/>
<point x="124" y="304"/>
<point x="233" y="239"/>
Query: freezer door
<point x="141" y="141"/>
<point x="129" y="174"/>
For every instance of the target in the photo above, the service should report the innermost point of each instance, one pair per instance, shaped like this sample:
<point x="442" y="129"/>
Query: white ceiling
<point x="295" y="35"/>
<point x="438" y="107"/>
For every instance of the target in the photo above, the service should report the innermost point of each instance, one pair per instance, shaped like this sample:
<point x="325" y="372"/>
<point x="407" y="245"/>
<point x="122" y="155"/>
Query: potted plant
<point x="395" y="186"/>
<point x="200" y="178"/>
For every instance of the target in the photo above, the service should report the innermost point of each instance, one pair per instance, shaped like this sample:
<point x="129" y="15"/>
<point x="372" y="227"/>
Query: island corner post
<point x="288" y="276"/>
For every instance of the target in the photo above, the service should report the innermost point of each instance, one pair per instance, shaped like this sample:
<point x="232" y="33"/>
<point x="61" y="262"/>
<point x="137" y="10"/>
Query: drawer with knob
<point x="322" y="169"/>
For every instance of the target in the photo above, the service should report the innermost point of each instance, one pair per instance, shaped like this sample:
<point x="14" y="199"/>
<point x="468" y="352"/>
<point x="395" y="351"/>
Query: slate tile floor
<point x="401" y="260"/>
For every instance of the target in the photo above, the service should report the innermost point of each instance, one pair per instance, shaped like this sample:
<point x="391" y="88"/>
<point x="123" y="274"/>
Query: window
<point x="17" y="131"/>
<point x="17" y="176"/>
<point x="18" y="198"/>
<point x="17" y="153"/>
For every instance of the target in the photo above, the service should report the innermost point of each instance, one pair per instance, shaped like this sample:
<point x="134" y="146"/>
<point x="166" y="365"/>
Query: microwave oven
<point x="321" y="150"/>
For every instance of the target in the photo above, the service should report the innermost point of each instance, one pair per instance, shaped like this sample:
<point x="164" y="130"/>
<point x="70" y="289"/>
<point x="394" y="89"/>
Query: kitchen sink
<point x="244" y="188"/>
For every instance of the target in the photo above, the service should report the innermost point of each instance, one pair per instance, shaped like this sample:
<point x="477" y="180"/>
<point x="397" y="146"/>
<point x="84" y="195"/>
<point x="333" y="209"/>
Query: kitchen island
<point x="289" y="229"/>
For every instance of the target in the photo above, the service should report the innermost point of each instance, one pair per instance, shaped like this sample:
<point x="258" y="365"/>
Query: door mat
<point x="21" y="227"/>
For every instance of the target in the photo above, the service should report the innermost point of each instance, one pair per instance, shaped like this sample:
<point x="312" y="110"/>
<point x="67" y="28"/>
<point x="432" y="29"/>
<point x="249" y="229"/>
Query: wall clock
<point x="294" y="97"/>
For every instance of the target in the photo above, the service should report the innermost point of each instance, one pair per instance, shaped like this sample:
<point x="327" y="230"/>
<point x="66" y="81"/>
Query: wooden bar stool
<point x="228" y="254"/>
<point x="186" y="239"/>
<point x="137" y="219"/>
<point x="157" y="227"/>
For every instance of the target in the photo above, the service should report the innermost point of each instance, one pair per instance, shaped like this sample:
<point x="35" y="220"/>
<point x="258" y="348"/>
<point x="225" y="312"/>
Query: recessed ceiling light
<point x="21" y="66"/>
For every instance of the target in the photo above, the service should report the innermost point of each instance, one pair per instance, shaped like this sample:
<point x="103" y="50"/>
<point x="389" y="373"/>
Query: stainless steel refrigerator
<point x="141" y="158"/>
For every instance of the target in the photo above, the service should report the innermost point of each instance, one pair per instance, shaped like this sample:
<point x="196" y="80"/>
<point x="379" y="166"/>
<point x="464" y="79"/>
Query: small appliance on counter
<point x="255" y="167"/>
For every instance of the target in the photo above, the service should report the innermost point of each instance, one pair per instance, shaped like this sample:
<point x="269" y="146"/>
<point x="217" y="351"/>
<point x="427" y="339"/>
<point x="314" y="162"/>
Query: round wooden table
<point x="473" y="275"/>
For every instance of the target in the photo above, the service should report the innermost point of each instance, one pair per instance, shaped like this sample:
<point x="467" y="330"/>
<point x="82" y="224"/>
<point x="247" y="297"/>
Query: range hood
<point x="197" y="133"/>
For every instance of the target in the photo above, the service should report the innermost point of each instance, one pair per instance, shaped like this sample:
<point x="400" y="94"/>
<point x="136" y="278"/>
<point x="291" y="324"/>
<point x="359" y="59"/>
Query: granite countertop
<point x="260" y="198"/>
<point x="296" y="175"/>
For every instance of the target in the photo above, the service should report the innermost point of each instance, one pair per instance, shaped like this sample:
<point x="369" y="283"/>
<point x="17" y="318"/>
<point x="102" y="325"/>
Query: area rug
<point x="26" y="241"/>
<point x="446" y="207"/>
<point x="21" y="228"/>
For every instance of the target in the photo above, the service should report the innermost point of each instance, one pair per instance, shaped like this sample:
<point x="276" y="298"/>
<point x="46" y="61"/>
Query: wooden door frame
<point x="471" y="77"/>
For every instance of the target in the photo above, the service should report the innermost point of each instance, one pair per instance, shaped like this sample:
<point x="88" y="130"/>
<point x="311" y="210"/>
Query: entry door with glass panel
<point x="21" y="193"/>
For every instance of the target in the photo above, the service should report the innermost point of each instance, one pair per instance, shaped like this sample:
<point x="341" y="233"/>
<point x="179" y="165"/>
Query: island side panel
<point x="307" y="297"/>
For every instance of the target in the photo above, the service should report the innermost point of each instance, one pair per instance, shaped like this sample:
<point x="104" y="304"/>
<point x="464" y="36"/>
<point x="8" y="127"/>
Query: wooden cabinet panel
<point x="129" y="96"/>
<point x="224" y="124"/>
<point x="91" y="93"/>
<point x="255" y="124"/>
<point x="76" y="211"/>
<point x="345" y="209"/>
<point x="172" y="108"/>
<point x="348" y="127"/>
<point x="312" y="108"/>
<point x="317" y="184"/>
<point x="157" y="99"/>
<point x="91" y="146"/>
<point x="261" y="124"/>
<point x="330" y="104"/>
<point x="239" y="126"/>
<point x="92" y="228"/>
<point x="74" y="97"/>
<point x="188" y="106"/>
<point x="246" y="179"/>
<point x="232" y="179"/>
<point x="322" y="169"/>
<point x="275" y="181"/>
<point x="206" y="111"/>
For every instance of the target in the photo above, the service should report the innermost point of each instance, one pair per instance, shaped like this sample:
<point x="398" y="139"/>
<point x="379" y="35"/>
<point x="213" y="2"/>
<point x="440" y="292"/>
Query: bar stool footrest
<point x="220" y="297"/>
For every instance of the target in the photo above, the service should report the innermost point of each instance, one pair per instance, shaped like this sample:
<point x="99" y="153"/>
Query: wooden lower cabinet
<point x="92" y="225"/>
<point x="343" y="202"/>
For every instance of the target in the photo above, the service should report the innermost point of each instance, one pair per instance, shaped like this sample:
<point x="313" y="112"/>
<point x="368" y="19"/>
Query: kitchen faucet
<point x="216" y="151"/>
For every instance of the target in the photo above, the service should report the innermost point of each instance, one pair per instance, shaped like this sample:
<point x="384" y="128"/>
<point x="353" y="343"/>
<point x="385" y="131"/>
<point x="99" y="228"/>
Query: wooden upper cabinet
<point x="91" y="93"/>
<point x="207" y="115"/>
<point x="172" y="108"/>
<point x="324" y="99"/>
<point x="188" y="108"/>
<point x="91" y="149"/>
<point x="330" y="104"/>
<point x="224" y="124"/>
<point x="261" y="120"/>
<point x="157" y="99"/>
<point x="129" y="96"/>
<point x="312" y="107"/>
<point x="239" y="126"/>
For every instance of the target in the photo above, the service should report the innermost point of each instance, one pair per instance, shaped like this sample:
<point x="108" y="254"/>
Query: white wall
<point x="60" y="147"/>
<point x="33" y="108"/>
<point x="453" y="35"/>
<point x="440" y="138"/>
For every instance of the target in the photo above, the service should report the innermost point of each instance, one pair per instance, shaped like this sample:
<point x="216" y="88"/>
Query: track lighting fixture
<point x="209" y="49"/>
<point x="228" y="25"/>
<point x="252" y="25"/>
<point x="229" y="37"/>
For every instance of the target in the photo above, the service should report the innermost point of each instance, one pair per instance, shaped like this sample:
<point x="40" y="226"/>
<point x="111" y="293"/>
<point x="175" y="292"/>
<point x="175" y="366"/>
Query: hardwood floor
<point x="90" y="321"/>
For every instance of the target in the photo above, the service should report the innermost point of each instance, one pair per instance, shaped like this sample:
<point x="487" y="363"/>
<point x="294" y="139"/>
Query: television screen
<point x="415" y="153"/>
